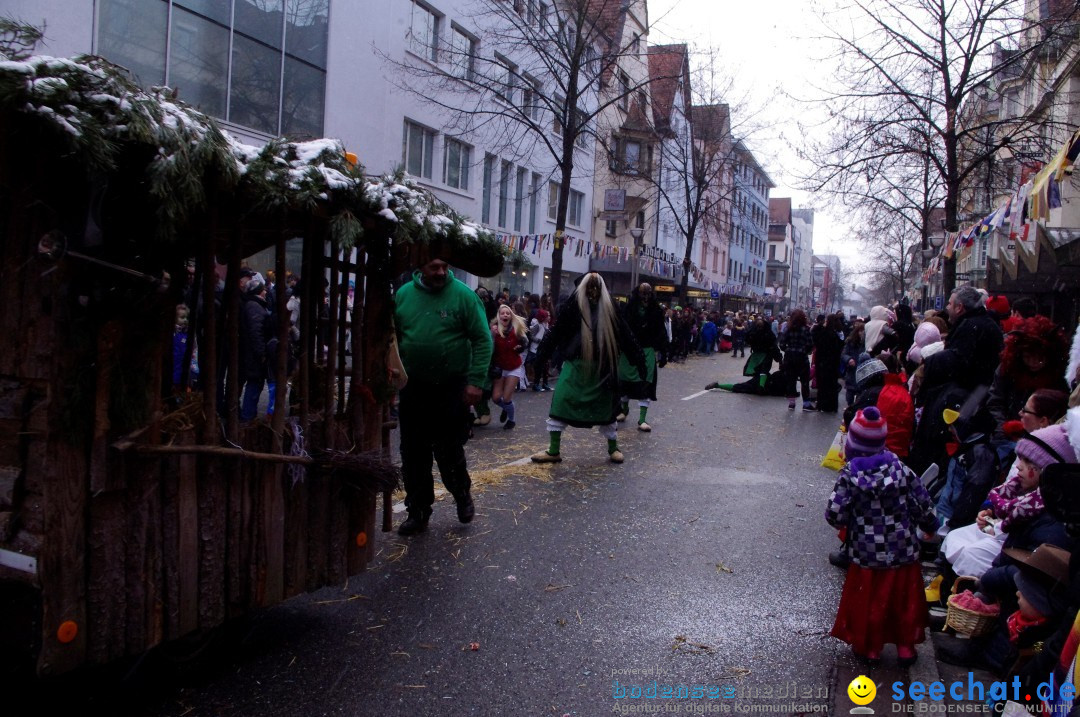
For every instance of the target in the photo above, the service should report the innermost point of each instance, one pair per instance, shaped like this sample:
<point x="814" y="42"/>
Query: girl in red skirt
<point x="879" y="502"/>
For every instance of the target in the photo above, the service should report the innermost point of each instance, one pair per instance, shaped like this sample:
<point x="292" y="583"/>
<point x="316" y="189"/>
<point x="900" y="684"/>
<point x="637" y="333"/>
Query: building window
<point x="458" y="157"/>
<point x="556" y="115"/>
<point x="715" y="260"/>
<point x="530" y="100"/>
<point x="582" y="129"/>
<point x="504" y="192"/>
<point x="489" y="179"/>
<point x="772" y="251"/>
<point x="627" y="156"/>
<point x="419" y="145"/>
<point x="506" y="86"/>
<point x="275" y="73"/>
<point x="624" y="91"/>
<point x="577" y="200"/>
<point x="611" y="227"/>
<point x="639" y="220"/>
<point x="519" y="198"/>
<point x="462" y="53"/>
<point x="553" y="200"/>
<point x="424" y="32"/>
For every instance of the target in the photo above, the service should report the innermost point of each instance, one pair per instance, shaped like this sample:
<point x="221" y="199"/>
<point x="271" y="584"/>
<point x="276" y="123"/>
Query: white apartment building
<point x="803" y="219"/>
<point x="334" y="68"/>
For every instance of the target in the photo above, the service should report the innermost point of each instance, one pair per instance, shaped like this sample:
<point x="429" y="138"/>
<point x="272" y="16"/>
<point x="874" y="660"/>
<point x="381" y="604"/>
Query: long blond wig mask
<point x="604" y="351"/>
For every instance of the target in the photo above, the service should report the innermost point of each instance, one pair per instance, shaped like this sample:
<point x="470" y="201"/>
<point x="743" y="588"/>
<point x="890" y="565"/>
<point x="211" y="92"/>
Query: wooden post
<point x="63" y="555"/>
<point x="356" y="381"/>
<point x="232" y="334"/>
<point x="273" y="503"/>
<point x="208" y="349"/>
<point x="343" y="313"/>
<point x="331" y="353"/>
<point x="307" y="328"/>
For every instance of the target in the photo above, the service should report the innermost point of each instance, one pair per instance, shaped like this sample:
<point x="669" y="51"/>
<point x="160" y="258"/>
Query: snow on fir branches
<point x="99" y="115"/>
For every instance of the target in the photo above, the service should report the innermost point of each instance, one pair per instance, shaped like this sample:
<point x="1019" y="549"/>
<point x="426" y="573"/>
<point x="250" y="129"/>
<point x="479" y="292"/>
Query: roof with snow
<point x="105" y="120"/>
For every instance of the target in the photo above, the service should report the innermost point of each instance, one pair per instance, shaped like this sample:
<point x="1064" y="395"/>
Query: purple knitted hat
<point x="866" y="434"/>
<point x="1035" y="450"/>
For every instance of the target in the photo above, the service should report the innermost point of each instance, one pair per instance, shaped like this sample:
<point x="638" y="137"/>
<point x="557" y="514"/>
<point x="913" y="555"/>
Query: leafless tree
<point x="702" y="126"/>
<point x="912" y="77"/>
<point x="550" y="69"/>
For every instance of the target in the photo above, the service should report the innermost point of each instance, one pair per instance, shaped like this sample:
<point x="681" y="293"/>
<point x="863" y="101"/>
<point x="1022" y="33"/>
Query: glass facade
<point x="256" y="63"/>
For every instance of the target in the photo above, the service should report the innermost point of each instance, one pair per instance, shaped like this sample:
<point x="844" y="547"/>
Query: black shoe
<point x="840" y="559"/>
<point x="955" y="651"/>
<point x="415" y="523"/>
<point x="502" y="416"/>
<point x="465" y="508"/>
<point x="508" y="425"/>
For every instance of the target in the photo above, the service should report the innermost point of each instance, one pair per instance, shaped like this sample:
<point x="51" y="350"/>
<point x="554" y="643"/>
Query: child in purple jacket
<point x="880" y="502"/>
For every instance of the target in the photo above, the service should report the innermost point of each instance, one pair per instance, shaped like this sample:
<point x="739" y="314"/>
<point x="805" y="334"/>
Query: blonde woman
<point x="511" y="341"/>
<point x="589" y="334"/>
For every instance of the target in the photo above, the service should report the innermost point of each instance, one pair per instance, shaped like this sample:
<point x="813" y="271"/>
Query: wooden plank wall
<point x="139" y="548"/>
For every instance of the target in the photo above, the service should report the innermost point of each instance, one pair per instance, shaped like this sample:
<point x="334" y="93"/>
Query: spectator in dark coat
<point x="828" y="346"/>
<point x="973" y="347"/>
<point x="904" y="328"/>
<point x="254" y="333"/>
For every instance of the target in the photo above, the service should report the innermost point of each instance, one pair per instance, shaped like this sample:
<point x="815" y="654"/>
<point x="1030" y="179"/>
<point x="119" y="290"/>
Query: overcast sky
<point x="767" y="47"/>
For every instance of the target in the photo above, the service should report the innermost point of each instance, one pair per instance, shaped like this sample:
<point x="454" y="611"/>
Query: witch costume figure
<point x="589" y="334"/>
<point x="646" y="321"/>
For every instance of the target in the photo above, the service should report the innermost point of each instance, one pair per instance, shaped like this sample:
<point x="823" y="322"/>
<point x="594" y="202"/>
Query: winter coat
<point x="971" y="354"/>
<point x="709" y="332"/>
<point x="537" y="331"/>
<point x="442" y="334"/>
<point x="851" y="352"/>
<point x="828" y="347"/>
<point x="878" y="336"/>
<point x="646" y="322"/>
<point x="880" y="502"/>
<point x="254" y="333"/>
<point x="897" y="409"/>
<point x="798" y="341"/>
<point x="507" y="349"/>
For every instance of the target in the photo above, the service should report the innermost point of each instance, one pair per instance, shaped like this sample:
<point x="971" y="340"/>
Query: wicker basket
<point x="964" y="621"/>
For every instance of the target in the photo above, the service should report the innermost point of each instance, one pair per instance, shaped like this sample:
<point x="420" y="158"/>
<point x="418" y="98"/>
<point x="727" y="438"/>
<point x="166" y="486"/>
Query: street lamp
<point x="636" y="233"/>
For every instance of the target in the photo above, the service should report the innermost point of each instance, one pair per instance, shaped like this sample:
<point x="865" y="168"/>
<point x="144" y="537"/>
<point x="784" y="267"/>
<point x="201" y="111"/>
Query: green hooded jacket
<point x="442" y="334"/>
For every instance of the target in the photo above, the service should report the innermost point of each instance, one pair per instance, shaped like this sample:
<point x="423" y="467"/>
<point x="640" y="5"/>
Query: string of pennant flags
<point x="1030" y="203"/>
<point x="542" y="244"/>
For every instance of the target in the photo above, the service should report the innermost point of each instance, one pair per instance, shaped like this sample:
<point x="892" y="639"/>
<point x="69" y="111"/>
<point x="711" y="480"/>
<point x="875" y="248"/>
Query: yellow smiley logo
<point x="862" y="690"/>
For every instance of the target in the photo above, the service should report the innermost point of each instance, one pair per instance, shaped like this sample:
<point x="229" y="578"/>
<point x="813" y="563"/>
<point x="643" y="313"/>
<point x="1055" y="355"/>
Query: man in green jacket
<point x="445" y="345"/>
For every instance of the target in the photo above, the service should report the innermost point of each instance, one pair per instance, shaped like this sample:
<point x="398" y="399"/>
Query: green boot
<point x="614" y="454"/>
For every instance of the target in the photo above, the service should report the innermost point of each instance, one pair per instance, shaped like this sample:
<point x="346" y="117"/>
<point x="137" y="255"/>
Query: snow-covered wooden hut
<point x="133" y="512"/>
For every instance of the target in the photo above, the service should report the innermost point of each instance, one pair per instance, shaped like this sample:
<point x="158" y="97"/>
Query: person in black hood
<point x="904" y="328"/>
<point x="645" y="318"/>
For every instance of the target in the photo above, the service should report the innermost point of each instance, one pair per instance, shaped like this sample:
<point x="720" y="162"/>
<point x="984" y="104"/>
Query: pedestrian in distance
<point x="589" y="334"/>
<point x="538" y="328"/>
<point x="797" y="342"/>
<point x="445" y="346"/>
<point x="879" y="502"/>
<point x="511" y="341"/>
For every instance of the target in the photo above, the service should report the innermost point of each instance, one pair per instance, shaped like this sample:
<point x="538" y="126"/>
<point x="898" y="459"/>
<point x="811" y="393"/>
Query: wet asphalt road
<point x="700" y="561"/>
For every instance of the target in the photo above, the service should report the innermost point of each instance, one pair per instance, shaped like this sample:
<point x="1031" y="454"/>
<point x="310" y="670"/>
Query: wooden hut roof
<point x="98" y="114"/>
